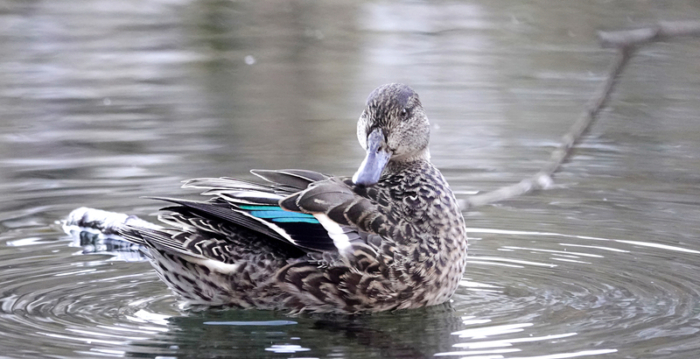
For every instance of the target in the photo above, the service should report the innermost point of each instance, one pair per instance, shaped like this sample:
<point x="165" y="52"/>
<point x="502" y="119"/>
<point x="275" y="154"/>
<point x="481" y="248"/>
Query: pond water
<point x="103" y="102"/>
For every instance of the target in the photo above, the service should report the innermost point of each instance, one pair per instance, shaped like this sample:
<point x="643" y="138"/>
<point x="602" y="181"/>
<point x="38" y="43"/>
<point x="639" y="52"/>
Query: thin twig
<point x="637" y="37"/>
<point x="625" y="42"/>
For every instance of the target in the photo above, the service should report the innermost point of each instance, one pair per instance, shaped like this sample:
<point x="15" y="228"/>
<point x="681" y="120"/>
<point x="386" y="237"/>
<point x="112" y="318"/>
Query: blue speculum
<point x="277" y="214"/>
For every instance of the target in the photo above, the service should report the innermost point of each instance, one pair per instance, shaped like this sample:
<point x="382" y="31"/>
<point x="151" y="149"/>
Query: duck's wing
<point x="310" y="211"/>
<point x="255" y="206"/>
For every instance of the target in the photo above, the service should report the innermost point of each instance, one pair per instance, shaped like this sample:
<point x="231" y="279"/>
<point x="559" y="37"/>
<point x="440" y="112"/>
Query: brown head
<point x="392" y="128"/>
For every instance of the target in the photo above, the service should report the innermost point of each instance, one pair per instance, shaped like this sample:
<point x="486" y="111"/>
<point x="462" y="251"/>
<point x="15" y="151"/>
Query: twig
<point x="625" y="42"/>
<point x="646" y="35"/>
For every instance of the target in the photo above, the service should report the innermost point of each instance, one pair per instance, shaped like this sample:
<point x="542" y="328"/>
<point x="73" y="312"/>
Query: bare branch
<point x="625" y="42"/>
<point x="643" y="36"/>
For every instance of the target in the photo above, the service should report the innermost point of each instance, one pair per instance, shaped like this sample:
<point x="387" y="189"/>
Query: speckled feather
<point x="400" y="243"/>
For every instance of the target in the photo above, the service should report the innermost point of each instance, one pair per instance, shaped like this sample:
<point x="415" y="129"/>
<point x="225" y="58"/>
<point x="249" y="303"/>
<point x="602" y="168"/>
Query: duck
<point x="390" y="237"/>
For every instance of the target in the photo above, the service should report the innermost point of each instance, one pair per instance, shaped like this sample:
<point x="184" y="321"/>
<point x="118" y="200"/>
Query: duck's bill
<point x="376" y="159"/>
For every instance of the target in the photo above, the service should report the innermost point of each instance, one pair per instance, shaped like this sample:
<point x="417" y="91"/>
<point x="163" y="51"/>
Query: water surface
<point x="104" y="102"/>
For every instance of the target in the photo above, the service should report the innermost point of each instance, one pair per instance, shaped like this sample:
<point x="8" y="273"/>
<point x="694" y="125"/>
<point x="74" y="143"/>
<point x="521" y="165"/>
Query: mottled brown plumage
<point x="391" y="237"/>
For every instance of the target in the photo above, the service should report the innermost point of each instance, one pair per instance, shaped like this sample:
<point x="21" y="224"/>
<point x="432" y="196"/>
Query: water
<point x="103" y="102"/>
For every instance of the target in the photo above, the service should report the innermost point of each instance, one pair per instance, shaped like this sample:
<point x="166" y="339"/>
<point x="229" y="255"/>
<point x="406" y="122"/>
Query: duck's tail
<point x="107" y="223"/>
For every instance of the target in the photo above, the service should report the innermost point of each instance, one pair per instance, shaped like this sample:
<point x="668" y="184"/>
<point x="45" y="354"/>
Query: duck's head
<point x="392" y="128"/>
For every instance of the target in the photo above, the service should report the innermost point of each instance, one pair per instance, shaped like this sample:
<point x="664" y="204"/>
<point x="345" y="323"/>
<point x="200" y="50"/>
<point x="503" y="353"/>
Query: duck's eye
<point x="404" y="113"/>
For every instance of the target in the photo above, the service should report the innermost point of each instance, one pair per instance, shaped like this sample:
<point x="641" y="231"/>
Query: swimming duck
<point x="390" y="237"/>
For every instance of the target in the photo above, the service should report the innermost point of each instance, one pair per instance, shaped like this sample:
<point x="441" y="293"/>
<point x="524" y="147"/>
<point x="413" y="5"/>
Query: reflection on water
<point x="103" y="102"/>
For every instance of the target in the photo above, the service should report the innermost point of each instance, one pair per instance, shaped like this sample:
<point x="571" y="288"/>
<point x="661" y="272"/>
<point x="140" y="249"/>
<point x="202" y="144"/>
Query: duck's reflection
<point x="254" y="334"/>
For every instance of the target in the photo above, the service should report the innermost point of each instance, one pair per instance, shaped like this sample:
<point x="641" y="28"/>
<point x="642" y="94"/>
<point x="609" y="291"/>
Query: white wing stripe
<point x="335" y="231"/>
<point x="272" y="226"/>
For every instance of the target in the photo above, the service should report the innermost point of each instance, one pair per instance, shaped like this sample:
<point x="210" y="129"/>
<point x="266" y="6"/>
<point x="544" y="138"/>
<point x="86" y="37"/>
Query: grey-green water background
<point x="102" y="102"/>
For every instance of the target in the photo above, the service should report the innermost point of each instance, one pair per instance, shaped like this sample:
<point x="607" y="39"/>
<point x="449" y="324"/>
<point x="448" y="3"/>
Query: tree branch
<point x="662" y="30"/>
<point x="625" y="42"/>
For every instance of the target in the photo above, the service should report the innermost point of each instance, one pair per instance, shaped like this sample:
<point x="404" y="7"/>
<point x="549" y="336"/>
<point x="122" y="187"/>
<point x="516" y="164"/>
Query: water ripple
<point x="600" y="289"/>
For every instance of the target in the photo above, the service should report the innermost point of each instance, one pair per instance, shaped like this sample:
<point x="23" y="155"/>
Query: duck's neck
<point x="398" y="164"/>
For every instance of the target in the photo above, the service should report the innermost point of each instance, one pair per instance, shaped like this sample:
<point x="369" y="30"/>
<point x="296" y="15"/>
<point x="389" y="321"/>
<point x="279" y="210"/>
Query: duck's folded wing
<point x="306" y="209"/>
<point x="255" y="206"/>
<point x="299" y="229"/>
